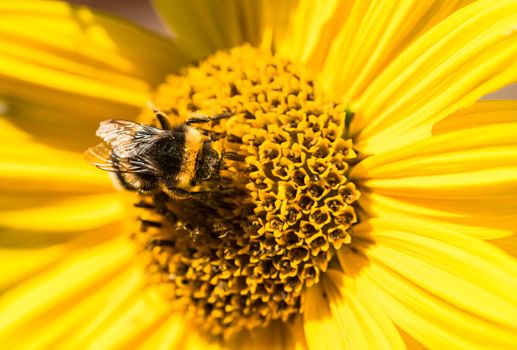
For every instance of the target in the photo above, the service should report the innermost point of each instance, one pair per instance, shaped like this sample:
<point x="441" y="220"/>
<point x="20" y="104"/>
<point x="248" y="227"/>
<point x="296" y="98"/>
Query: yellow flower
<point x="371" y="197"/>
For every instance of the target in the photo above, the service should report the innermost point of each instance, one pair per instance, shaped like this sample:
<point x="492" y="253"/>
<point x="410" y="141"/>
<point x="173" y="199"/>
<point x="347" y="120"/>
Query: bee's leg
<point x="207" y="118"/>
<point x="203" y="197"/>
<point x="179" y="193"/>
<point x="160" y="242"/>
<point x="214" y="135"/>
<point x="162" y="117"/>
<point x="120" y="182"/>
<point x="231" y="155"/>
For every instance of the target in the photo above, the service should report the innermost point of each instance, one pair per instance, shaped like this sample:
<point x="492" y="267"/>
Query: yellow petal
<point x="429" y="321"/>
<point x="429" y="222"/>
<point x="278" y="25"/>
<point x="410" y="342"/>
<point x="131" y="325"/>
<point x="168" y="335"/>
<point x="481" y="113"/>
<point x="57" y="329"/>
<point x="27" y="253"/>
<point x="433" y="316"/>
<point x="451" y="181"/>
<point x="20" y="145"/>
<point x="55" y="290"/>
<point x="45" y="178"/>
<point x="362" y="37"/>
<point x="483" y="198"/>
<point x="202" y="27"/>
<point x="296" y="338"/>
<point x="28" y="166"/>
<point x="378" y="330"/>
<point x="477" y="218"/>
<point x="508" y="244"/>
<point x="18" y="264"/>
<point x="449" y="256"/>
<point x="484" y="195"/>
<point x="465" y="150"/>
<point x="313" y="26"/>
<point x="461" y="59"/>
<point x="493" y="184"/>
<point x="26" y="122"/>
<point x="321" y="329"/>
<point x="464" y="174"/>
<point x="275" y="336"/>
<point x="356" y="323"/>
<point x="116" y="297"/>
<point x="84" y="62"/>
<point x="80" y="213"/>
<point x="195" y="341"/>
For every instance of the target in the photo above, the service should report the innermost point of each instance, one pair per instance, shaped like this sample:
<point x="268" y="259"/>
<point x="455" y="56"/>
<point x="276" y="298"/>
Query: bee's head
<point x="208" y="162"/>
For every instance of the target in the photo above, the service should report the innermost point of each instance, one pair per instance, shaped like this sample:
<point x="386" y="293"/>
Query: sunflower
<point x="369" y="202"/>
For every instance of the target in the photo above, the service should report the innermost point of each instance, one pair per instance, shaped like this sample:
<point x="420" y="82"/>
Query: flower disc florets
<point x="242" y="254"/>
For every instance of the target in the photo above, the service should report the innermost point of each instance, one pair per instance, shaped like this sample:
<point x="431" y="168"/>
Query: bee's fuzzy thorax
<point x="192" y="146"/>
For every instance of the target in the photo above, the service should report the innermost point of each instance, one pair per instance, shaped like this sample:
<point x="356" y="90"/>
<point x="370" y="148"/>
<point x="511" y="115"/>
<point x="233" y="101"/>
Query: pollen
<point x="241" y="251"/>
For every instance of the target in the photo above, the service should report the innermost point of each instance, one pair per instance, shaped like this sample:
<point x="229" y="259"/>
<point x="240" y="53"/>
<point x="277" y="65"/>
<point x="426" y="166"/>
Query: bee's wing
<point x="101" y="157"/>
<point x="124" y="148"/>
<point x="127" y="138"/>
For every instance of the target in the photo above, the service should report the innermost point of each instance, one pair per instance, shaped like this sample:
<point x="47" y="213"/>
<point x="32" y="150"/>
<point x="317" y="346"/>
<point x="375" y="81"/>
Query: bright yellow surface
<point x="439" y="188"/>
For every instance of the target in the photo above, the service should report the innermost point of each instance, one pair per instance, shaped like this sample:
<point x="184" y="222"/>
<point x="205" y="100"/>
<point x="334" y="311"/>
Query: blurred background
<point x="141" y="11"/>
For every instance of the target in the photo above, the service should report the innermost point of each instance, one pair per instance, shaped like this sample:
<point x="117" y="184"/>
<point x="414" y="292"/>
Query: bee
<point x="144" y="158"/>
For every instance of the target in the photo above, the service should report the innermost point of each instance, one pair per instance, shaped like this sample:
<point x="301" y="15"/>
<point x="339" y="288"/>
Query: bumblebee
<point x="144" y="158"/>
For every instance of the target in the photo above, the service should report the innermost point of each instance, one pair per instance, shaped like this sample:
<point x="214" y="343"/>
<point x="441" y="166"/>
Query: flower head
<point x="242" y="252"/>
<point x="359" y="179"/>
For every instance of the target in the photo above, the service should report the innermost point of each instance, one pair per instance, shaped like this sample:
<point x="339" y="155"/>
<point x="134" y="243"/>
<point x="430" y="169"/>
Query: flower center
<point x="242" y="251"/>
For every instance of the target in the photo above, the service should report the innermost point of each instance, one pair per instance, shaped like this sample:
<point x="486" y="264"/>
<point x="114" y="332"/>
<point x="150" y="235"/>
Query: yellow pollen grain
<point x="244" y="254"/>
